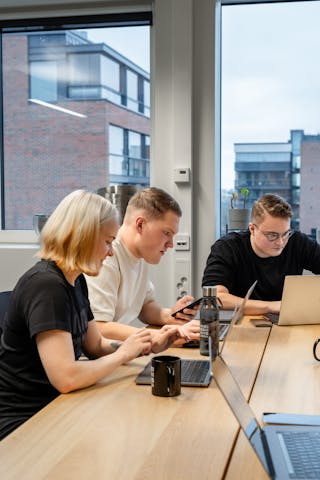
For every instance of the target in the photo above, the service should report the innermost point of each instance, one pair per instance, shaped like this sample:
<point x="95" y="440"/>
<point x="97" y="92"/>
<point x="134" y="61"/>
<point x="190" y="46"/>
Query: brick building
<point x="101" y="138"/>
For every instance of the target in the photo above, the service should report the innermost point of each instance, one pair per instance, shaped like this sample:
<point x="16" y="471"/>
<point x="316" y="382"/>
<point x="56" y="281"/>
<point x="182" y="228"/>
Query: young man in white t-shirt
<point x="122" y="292"/>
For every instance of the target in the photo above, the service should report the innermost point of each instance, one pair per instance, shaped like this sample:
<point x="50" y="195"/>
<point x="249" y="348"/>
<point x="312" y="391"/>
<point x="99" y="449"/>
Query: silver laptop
<point x="238" y="313"/>
<point x="285" y="451"/>
<point x="198" y="373"/>
<point x="300" y="303"/>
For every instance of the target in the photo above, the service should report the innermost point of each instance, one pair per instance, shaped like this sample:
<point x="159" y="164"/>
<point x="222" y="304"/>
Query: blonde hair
<point x="70" y="234"/>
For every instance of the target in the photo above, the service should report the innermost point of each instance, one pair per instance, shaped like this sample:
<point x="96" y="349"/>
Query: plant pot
<point x="239" y="218"/>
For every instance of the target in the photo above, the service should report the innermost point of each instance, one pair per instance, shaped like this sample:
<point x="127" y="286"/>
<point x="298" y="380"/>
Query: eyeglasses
<point x="273" y="236"/>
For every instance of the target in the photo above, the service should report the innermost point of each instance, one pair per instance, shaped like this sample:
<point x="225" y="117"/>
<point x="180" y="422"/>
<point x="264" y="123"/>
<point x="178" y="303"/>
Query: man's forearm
<point x="152" y="314"/>
<point x="253" y="307"/>
<point x="115" y="330"/>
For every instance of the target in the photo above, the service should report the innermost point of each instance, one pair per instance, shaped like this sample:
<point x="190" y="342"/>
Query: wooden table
<point x="117" y="430"/>
<point x="288" y="381"/>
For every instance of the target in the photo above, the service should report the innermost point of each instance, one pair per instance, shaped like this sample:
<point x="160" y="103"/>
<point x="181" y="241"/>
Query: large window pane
<point x="66" y="118"/>
<point x="270" y="105"/>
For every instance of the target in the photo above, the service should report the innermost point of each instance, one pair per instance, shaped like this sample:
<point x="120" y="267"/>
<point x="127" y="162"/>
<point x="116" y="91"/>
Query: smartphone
<point x="191" y="305"/>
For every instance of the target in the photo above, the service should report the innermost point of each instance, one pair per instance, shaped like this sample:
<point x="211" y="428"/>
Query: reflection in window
<point x="44" y="81"/>
<point x="110" y="79"/>
<point x="132" y="91"/>
<point x="146" y="98"/>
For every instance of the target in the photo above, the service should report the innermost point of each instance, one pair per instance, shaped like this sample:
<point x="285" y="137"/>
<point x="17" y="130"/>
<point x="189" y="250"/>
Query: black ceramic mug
<point x="166" y="376"/>
<point x="315" y="348"/>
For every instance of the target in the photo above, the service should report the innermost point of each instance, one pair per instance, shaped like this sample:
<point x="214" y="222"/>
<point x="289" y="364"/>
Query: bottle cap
<point x="209" y="291"/>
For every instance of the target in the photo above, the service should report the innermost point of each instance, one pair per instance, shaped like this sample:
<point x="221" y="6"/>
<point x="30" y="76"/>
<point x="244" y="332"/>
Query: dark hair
<point x="271" y="204"/>
<point x="155" y="203"/>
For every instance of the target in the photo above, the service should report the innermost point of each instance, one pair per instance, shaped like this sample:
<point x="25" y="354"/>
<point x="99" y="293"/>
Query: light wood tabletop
<point x="118" y="430"/>
<point x="288" y="382"/>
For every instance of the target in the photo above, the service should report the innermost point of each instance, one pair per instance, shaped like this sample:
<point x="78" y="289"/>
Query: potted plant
<point x="239" y="217"/>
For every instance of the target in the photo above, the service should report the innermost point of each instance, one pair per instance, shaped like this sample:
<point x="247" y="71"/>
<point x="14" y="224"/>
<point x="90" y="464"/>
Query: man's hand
<point x="274" y="307"/>
<point x="187" y="314"/>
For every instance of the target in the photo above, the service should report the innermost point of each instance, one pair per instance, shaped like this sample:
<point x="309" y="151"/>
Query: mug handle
<point x="315" y="349"/>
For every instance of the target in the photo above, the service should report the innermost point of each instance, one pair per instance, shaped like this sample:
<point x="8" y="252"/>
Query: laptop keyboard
<point x="194" y="372"/>
<point x="302" y="453"/>
<point x="273" y="317"/>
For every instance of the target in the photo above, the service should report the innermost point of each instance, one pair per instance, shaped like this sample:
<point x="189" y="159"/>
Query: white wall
<point x="183" y="127"/>
<point x="16" y="257"/>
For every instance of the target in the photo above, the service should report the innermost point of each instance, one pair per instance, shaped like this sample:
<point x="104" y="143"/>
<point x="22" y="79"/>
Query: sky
<point x="270" y="72"/>
<point x="132" y="42"/>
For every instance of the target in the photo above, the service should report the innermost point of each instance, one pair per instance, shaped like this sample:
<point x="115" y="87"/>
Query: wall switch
<point x="182" y="242"/>
<point x="182" y="175"/>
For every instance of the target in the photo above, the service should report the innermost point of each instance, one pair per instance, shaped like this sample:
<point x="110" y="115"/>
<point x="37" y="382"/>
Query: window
<point x="146" y="98"/>
<point x="132" y="91"/>
<point x="66" y="118"/>
<point x="118" y="164"/>
<point x="269" y="104"/>
<point x="129" y="156"/>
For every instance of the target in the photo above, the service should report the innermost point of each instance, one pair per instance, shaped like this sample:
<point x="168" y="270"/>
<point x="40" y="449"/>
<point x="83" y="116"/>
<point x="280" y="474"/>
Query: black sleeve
<point x="310" y="252"/>
<point x="220" y="267"/>
<point x="46" y="305"/>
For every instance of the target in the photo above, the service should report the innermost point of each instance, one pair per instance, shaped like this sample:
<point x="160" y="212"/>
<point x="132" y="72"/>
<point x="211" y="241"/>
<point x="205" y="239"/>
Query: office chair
<point x="4" y="302"/>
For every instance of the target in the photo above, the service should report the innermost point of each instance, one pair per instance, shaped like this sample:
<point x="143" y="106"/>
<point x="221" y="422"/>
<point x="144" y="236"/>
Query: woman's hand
<point x="138" y="343"/>
<point x="166" y="336"/>
<point x="192" y="330"/>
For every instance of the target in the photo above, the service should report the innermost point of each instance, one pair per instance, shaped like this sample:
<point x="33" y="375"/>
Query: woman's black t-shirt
<point x="42" y="300"/>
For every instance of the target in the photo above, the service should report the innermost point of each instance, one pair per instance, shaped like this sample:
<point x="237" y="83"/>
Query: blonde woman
<point x="49" y="322"/>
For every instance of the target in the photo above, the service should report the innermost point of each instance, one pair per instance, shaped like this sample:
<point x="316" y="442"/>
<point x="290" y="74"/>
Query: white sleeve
<point x="150" y="294"/>
<point x="103" y="290"/>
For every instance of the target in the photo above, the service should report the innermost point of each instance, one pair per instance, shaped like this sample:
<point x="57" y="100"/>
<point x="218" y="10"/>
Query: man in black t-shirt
<point x="268" y="251"/>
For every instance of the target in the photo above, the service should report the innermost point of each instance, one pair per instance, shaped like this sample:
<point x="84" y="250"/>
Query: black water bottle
<point x="209" y="322"/>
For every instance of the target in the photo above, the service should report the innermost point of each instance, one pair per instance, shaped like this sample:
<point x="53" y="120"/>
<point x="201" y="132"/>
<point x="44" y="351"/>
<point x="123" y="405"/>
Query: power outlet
<point x="182" y="242"/>
<point x="182" y="278"/>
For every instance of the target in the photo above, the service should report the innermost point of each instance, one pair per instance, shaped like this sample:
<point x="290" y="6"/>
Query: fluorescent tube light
<point x="55" y="107"/>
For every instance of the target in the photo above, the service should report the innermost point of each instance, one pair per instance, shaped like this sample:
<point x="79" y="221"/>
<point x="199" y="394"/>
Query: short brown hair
<point x="270" y="204"/>
<point x="154" y="202"/>
<point x="70" y="234"/>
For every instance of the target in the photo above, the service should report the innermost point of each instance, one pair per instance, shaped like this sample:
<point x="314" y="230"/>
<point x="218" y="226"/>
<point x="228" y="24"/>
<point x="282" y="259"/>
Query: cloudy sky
<point x="270" y="74"/>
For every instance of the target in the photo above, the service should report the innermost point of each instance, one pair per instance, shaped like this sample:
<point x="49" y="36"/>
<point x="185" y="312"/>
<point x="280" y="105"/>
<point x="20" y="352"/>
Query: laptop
<point x="286" y="451"/>
<point x="226" y="317"/>
<point x="300" y="303"/>
<point x="198" y="373"/>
